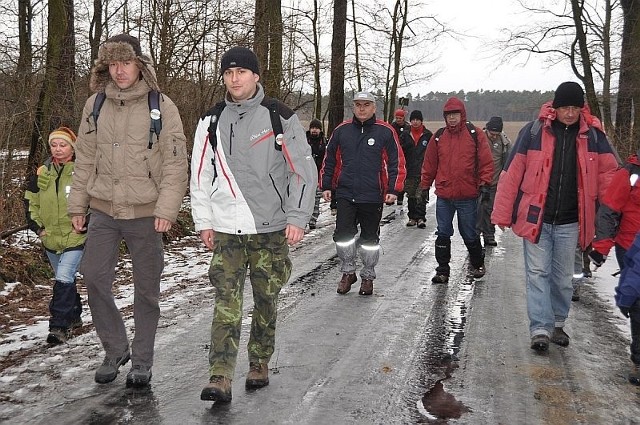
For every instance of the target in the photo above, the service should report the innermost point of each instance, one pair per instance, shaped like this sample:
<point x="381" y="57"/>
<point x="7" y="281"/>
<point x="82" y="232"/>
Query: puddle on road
<point x="437" y="405"/>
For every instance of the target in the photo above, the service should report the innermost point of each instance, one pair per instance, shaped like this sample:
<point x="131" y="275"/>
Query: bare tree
<point x="338" y="41"/>
<point x="628" y="107"/>
<point x="56" y="100"/>
<point x="267" y="44"/>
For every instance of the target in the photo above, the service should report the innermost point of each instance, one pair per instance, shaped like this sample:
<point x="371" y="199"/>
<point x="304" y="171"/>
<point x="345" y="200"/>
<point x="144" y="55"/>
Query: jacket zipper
<point x="564" y="140"/>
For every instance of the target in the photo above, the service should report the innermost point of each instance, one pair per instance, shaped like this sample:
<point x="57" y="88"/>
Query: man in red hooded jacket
<point x="461" y="167"/>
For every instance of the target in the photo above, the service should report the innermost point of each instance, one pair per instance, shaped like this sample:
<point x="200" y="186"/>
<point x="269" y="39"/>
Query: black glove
<point x="596" y="258"/>
<point x="425" y="195"/>
<point x="485" y="196"/>
<point x="624" y="311"/>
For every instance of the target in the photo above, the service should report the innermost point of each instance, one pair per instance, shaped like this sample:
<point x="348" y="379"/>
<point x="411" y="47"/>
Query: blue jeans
<point x="467" y="212"/>
<point x="65" y="265"/>
<point x="549" y="269"/>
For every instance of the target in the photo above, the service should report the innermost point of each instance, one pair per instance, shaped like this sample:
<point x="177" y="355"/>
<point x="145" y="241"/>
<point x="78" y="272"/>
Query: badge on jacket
<point x="371" y="142"/>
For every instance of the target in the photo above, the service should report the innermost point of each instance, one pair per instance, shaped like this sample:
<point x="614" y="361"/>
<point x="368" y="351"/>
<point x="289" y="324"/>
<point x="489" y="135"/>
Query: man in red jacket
<point x="560" y="166"/>
<point x="462" y="168"/>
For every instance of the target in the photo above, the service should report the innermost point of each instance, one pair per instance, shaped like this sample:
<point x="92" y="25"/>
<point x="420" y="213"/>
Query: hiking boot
<point x="440" y="278"/>
<point x="411" y="222"/>
<point x="490" y="241"/>
<point x="560" y="337"/>
<point x="347" y="280"/>
<point x="477" y="272"/>
<point x="218" y="389"/>
<point x="540" y="343"/>
<point x="108" y="371"/>
<point x="422" y="224"/>
<point x="366" y="287"/>
<point x="76" y="323"/>
<point x="634" y="375"/>
<point x="139" y="376"/>
<point x="258" y="375"/>
<point x="58" y="335"/>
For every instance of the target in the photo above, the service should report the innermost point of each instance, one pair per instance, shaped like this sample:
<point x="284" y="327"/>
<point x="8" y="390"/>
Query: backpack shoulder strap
<point x="155" y="125"/>
<point x="275" y="107"/>
<point x="438" y="134"/>
<point x="154" y="112"/>
<point x="97" y="105"/>
<point x="214" y="113"/>
<point x="473" y="132"/>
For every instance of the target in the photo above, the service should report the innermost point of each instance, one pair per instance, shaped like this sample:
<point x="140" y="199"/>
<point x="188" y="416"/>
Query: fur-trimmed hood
<point x="119" y="48"/>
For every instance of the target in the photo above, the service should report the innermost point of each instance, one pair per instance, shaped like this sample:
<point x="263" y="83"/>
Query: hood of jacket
<point x="455" y="105"/>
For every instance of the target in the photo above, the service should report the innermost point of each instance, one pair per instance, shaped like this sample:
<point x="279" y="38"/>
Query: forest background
<point x="314" y="54"/>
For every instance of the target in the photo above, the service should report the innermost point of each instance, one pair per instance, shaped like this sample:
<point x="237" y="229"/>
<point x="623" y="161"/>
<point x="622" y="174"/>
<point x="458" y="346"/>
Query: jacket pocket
<point x="533" y="176"/>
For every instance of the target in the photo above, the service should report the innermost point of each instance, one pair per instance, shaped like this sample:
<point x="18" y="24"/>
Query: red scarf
<point x="416" y="133"/>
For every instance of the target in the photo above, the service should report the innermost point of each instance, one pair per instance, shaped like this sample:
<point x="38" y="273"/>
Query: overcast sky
<point x="470" y="65"/>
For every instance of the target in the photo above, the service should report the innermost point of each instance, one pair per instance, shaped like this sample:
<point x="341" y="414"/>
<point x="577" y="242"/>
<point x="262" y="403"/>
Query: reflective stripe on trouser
<point x="267" y="257"/>
<point x="347" y="253"/>
<point x="369" y="253"/>
<point x="98" y="266"/>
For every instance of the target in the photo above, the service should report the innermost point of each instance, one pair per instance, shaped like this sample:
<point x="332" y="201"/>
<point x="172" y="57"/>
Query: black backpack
<point x="269" y="103"/>
<point x="154" y="113"/>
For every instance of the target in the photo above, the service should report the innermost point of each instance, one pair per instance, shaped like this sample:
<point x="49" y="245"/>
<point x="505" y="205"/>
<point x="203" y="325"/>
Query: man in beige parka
<point x="133" y="181"/>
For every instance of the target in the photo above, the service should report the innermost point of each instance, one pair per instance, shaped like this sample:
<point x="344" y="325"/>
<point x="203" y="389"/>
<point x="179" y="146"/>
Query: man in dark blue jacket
<point x="365" y="165"/>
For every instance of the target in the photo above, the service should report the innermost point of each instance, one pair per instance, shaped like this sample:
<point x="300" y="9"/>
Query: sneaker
<point x="139" y="376"/>
<point x="108" y="371"/>
<point x="560" y="337"/>
<point x="411" y="222"/>
<point x="258" y="375"/>
<point x="490" y="241"/>
<point x="366" y="287"/>
<point x="540" y="343"/>
<point x="477" y="272"/>
<point x="334" y="211"/>
<point x="218" y="389"/>
<point x="58" y="335"/>
<point x="347" y="280"/>
<point x="440" y="278"/>
<point x="634" y="375"/>
<point x="422" y="224"/>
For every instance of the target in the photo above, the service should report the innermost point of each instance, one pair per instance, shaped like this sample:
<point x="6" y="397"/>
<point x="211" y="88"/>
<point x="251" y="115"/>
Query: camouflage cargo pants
<point x="267" y="258"/>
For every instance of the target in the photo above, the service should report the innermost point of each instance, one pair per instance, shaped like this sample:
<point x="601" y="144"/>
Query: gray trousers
<point x="99" y="269"/>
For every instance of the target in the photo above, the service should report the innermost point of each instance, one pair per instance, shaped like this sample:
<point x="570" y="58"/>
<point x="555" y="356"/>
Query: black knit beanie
<point x="240" y="57"/>
<point x="568" y="94"/>
<point x="315" y="123"/>
<point x="416" y="115"/>
<point x="494" y="124"/>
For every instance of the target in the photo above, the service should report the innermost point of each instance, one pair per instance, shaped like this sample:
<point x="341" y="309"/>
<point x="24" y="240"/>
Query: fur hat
<point x="315" y="123"/>
<point x="568" y="93"/>
<point x="416" y="115"/>
<point x="240" y="57"/>
<point x="121" y="47"/>
<point x="495" y="124"/>
<point x="65" y="134"/>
